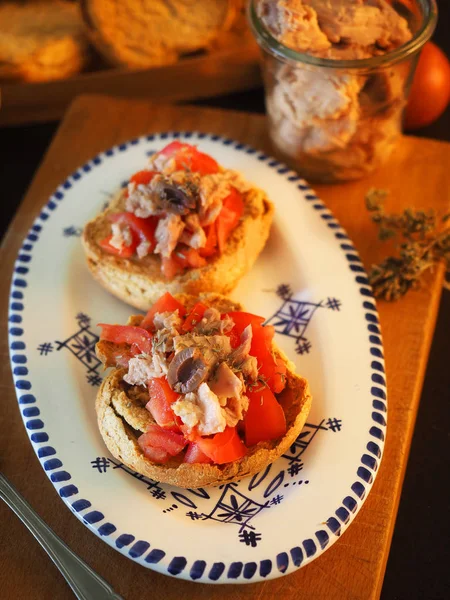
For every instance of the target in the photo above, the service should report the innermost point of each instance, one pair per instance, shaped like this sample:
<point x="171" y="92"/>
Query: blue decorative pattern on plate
<point x="310" y="283"/>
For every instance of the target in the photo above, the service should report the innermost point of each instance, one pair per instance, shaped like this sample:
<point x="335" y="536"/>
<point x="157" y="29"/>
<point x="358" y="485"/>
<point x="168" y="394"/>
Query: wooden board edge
<point x="436" y="286"/>
<point x="199" y="77"/>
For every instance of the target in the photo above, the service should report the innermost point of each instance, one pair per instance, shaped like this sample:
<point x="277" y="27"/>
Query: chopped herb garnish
<point x="427" y="244"/>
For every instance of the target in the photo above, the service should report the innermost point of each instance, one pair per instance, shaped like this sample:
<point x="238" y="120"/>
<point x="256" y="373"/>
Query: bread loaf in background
<point x="148" y="33"/>
<point x="41" y="40"/>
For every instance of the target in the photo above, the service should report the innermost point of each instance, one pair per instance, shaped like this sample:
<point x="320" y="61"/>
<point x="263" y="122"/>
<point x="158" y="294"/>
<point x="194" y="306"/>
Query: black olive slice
<point x="187" y="371"/>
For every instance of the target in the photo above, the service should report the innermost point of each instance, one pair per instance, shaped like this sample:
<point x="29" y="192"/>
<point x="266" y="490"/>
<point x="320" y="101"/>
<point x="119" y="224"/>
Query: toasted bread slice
<point x="122" y="418"/>
<point x="41" y="40"/>
<point x="141" y="34"/>
<point x="139" y="282"/>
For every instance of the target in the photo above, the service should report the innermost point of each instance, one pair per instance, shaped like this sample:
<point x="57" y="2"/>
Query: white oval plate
<point x="309" y="282"/>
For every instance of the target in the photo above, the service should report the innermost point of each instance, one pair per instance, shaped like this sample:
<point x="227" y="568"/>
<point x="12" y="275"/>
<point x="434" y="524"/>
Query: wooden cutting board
<point x="354" y="566"/>
<point x="222" y="71"/>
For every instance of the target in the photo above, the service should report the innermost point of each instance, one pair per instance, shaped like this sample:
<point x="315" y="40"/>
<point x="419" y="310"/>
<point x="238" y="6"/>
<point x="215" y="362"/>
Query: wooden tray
<point x="218" y="72"/>
<point x="354" y="566"/>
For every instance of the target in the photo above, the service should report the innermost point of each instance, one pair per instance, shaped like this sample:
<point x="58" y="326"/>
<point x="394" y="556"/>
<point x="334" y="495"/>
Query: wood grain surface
<point x="353" y="568"/>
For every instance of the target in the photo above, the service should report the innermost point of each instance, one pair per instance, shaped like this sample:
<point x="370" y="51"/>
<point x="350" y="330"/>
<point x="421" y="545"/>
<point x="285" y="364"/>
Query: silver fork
<point x="84" y="582"/>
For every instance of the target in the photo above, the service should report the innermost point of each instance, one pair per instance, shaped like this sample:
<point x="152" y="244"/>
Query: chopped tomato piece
<point x="198" y="162"/>
<point x="127" y="334"/>
<point x="188" y="157"/>
<point x="182" y="258"/>
<point x="171" y="149"/>
<point x="161" y="398"/>
<point x="142" y="177"/>
<point x="143" y="230"/>
<point x="269" y="332"/>
<point x="170" y="267"/>
<point x="265" y="419"/>
<point x="273" y="372"/>
<point x="261" y="347"/>
<point x="195" y="455"/>
<point x="194" y="259"/>
<point x="234" y="202"/>
<point x="156" y="455"/>
<point x="233" y="208"/>
<point x="269" y="368"/>
<point x="223" y="447"/>
<point x="157" y="437"/>
<point x="225" y="223"/>
<point x="189" y="257"/>
<point x="123" y="252"/>
<point x="242" y="319"/>
<point x="179" y="255"/>
<point x="166" y="303"/>
<point x="235" y="338"/>
<point x="194" y="316"/>
<point x="211" y="241"/>
<point x="160" y="386"/>
<point x="277" y="382"/>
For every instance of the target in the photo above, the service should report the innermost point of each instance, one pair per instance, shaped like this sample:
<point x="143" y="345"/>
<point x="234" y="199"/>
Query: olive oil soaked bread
<point x="122" y="418"/>
<point x="139" y="282"/>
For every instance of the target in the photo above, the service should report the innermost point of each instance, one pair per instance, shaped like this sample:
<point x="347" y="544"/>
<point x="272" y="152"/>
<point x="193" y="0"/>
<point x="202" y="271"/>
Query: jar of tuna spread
<point x="337" y="75"/>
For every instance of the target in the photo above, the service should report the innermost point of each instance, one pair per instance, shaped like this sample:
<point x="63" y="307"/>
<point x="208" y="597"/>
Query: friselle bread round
<point x="139" y="282"/>
<point x="40" y="41"/>
<point x="148" y="33"/>
<point x="122" y="418"/>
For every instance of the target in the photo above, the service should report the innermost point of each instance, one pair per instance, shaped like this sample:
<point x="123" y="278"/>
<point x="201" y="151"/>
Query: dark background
<point x="419" y="560"/>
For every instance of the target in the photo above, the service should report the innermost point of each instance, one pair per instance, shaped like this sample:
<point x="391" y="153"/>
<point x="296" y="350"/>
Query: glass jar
<point x="336" y="120"/>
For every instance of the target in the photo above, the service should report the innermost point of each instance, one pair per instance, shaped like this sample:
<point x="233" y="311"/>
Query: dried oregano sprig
<point x="428" y="243"/>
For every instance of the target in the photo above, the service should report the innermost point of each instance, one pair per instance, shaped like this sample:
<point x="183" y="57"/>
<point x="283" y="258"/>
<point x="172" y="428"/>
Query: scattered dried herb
<point x="259" y="384"/>
<point x="427" y="244"/>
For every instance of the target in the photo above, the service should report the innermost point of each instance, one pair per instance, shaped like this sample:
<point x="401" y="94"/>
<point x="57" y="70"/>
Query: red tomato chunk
<point x="194" y="317"/>
<point x="273" y="370"/>
<point x="264" y="419"/>
<point x="159" y="405"/>
<point x="166" y="303"/>
<point x="123" y="251"/>
<point x="195" y="455"/>
<point x="188" y="157"/>
<point x="127" y="334"/>
<point x="156" y="438"/>
<point x="223" y="447"/>
<point x="142" y="230"/>
<point x="232" y="211"/>
<point x="142" y="177"/>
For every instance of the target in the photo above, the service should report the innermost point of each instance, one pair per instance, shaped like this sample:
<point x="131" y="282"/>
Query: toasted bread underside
<point x="139" y="282"/>
<point x="146" y="33"/>
<point x="122" y="418"/>
<point x="41" y="40"/>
